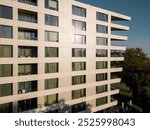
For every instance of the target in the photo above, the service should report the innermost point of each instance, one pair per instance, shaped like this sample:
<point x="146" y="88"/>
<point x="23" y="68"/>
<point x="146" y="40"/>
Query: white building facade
<point x="58" y="53"/>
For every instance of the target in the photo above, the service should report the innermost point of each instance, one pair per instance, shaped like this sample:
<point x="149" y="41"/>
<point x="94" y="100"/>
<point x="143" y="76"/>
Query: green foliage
<point x="136" y="73"/>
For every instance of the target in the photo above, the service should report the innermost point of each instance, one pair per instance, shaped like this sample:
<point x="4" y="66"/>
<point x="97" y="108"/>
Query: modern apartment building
<point x="58" y="56"/>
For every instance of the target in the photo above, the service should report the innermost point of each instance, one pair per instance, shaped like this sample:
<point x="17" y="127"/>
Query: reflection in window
<point x="101" y="29"/>
<point x="79" y="25"/>
<point x="101" y="53"/>
<point x="51" y="20"/>
<point x="78" y="93"/>
<point x="79" y="39"/>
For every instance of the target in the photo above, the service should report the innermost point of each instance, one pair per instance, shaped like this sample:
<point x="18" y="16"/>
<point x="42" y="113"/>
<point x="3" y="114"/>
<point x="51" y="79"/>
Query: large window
<point x="101" y="89"/>
<point x="116" y="64"/>
<point x="6" y="108"/>
<point x="78" y="66"/>
<point x="51" y="4"/>
<point x="6" y="31"/>
<point x="27" y="16"/>
<point x="27" y="104"/>
<point x="27" y="34"/>
<point x="79" y="25"/>
<point x="81" y="79"/>
<point x="101" y="101"/>
<point x="101" y="29"/>
<point x="26" y="87"/>
<point x="6" y="70"/>
<point x="101" y="41"/>
<point x="101" y="77"/>
<point x="101" y="16"/>
<point x="78" y="52"/>
<point x="117" y="53"/>
<point x="6" y="51"/>
<point x="27" y="51"/>
<point x="5" y="90"/>
<point x="6" y="12"/>
<point x="78" y="93"/>
<point x="50" y="99"/>
<point x="101" y="65"/>
<point x="30" y="2"/>
<point x="51" y="83"/>
<point x="101" y="53"/>
<point x="51" y="51"/>
<point x="51" y="20"/>
<point x="78" y="11"/>
<point x="51" y="67"/>
<point x="51" y="36"/>
<point x="27" y="69"/>
<point x="79" y="39"/>
<point x="78" y="107"/>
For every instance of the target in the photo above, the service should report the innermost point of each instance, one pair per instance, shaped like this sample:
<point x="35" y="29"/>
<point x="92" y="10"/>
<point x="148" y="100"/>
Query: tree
<point x="136" y="73"/>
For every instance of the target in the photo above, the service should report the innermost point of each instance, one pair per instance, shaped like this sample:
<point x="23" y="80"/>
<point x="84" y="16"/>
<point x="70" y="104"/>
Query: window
<point x="101" y="77"/>
<point x="116" y="64"/>
<point x="79" y="25"/>
<point x="6" y="31"/>
<point x="101" y="53"/>
<point x="101" y="29"/>
<point x="78" y="66"/>
<point x="27" y="69"/>
<point x="101" y="41"/>
<point x="78" y="52"/>
<point x="78" y="93"/>
<point x="81" y="79"/>
<point x="6" y="108"/>
<point x="101" y="65"/>
<point x="51" y="51"/>
<point x="51" y="67"/>
<point x="101" y="16"/>
<point x="101" y="89"/>
<point x="101" y="101"/>
<point x="6" y="51"/>
<point x="30" y="2"/>
<point x="51" y="36"/>
<point x="27" y="34"/>
<point x="78" y="11"/>
<point x="50" y="99"/>
<point x="26" y="87"/>
<point x="79" y="39"/>
<point x="5" y="90"/>
<point x="51" y="4"/>
<point x="6" y="12"/>
<point x="27" y="16"/>
<point x="51" y="83"/>
<point x="6" y="70"/>
<point x="51" y="20"/>
<point x="116" y="53"/>
<point x="27" y="104"/>
<point x="115" y="75"/>
<point x="78" y="107"/>
<point x="27" y="51"/>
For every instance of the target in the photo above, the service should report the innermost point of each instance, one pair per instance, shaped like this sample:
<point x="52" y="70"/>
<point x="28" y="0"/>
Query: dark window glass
<point x="101" y="77"/>
<point x="27" y="16"/>
<point x="6" y="31"/>
<point x="78" y="11"/>
<point x="101" y="16"/>
<point x="51" y="67"/>
<point x="27" y="104"/>
<point x="6" y="108"/>
<point x="50" y="99"/>
<point x="6" y="70"/>
<point x="6" y="51"/>
<point x="51" y="20"/>
<point x="116" y="64"/>
<point x="26" y="87"/>
<point x="101" y="101"/>
<point x="51" y="83"/>
<point x="30" y="2"/>
<point x="27" y="51"/>
<point x="51" y="4"/>
<point x="5" y="90"/>
<point x="78" y="66"/>
<point x="115" y="75"/>
<point x="117" y="53"/>
<point x="78" y="52"/>
<point x="101" y="29"/>
<point x="101" y="89"/>
<point x="51" y="52"/>
<point x="6" y="12"/>
<point x="81" y="79"/>
<point x="78" y="93"/>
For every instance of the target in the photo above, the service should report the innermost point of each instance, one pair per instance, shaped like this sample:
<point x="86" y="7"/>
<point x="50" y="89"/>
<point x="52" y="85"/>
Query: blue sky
<point x="139" y="10"/>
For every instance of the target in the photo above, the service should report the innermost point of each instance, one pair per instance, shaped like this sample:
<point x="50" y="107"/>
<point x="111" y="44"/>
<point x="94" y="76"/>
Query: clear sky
<point x="139" y="10"/>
